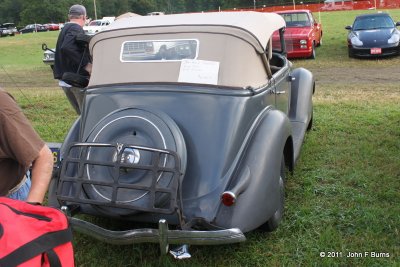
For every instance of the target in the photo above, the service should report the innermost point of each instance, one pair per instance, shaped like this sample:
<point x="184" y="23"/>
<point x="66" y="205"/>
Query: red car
<point x="52" y="26"/>
<point x="303" y="33"/>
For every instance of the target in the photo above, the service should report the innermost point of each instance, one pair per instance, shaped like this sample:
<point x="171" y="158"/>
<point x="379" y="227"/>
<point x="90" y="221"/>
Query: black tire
<point x="273" y="223"/>
<point x="76" y="80"/>
<point x="351" y="54"/>
<point x="141" y="128"/>
<point x="313" y="55"/>
<point x="310" y="124"/>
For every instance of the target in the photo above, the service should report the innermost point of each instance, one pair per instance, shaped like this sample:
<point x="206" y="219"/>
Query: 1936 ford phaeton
<point x="188" y="121"/>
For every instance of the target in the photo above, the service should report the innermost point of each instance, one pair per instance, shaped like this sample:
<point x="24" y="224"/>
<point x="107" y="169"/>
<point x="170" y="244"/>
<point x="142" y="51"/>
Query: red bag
<point x="33" y="235"/>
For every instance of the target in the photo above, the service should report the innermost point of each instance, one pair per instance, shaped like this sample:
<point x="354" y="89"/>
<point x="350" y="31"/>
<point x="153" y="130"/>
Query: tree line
<point x="22" y="12"/>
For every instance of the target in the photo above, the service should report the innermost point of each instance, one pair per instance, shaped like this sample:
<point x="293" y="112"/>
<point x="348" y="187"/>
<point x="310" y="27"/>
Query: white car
<point x="96" y="26"/>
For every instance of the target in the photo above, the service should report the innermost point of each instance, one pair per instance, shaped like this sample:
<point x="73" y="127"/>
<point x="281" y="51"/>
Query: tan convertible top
<point x="261" y="25"/>
<point x="235" y="40"/>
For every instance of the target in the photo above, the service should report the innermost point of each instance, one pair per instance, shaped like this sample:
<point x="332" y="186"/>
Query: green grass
<point x="24" y="50"/>
<point x="344" y="194"/>
<point x="21" y="60"/>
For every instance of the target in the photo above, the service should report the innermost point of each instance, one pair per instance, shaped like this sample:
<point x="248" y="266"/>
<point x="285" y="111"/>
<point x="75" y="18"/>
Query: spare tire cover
<point x="139" y="127"/>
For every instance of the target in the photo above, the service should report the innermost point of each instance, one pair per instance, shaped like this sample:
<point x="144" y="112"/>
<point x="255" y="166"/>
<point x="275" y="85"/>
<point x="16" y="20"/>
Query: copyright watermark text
<point x="352" y="254"/>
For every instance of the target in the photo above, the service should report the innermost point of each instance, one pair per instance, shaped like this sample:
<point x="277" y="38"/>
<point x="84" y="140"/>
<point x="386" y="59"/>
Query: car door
<point x="282" y="83"/>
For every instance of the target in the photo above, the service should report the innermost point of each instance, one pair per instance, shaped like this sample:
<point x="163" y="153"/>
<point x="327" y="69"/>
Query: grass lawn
<point x="343" y="196"/>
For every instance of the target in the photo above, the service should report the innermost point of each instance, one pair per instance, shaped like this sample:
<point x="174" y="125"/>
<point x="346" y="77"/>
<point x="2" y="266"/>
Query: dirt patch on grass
<point x="348" y="74"/>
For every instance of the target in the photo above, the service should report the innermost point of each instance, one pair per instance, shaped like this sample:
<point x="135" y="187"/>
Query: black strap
<point x="53" y="258"/>
<point x="36" y="247"/>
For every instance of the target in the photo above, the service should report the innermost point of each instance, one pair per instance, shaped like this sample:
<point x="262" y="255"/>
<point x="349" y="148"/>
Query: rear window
<point x="159" y="50"/>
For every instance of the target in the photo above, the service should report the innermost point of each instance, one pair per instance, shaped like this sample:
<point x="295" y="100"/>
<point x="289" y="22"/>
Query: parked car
<point x="96" y="26"/>
<point x="52" y="26"/>
<point x="8" y="29"/>
<point x="303" y="33"/>
<point x="34" y="28"/>
<point x="199" y="142"/>
<point x="48" y="55"/>
<point x="373" y="35"/>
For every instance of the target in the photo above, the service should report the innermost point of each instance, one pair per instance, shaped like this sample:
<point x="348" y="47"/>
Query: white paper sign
<point x="199" y="71"/>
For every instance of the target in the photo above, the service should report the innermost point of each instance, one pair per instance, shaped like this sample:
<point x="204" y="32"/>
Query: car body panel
<point x="229" y="133"/>
<point x="212" y="156"/>
<point x="261" y="188"/>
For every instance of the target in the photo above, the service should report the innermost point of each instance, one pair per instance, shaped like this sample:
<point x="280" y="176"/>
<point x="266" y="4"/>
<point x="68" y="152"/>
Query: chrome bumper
<point x="162" y="235"/>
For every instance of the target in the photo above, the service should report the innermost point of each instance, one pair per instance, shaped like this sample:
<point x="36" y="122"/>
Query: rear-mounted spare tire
<point x="137" y="127"/>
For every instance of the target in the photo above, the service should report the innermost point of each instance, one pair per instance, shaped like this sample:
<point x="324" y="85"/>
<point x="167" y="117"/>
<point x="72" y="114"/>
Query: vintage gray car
<point x="189" y="121"/>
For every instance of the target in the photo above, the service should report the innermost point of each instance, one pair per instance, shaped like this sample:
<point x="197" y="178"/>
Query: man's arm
<point x="42" y="168"/>
<point x="88" y="68"/>
<point x="71" y="49"/>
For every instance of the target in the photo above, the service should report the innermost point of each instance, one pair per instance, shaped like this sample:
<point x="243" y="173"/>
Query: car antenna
<point x="36" y="110"/>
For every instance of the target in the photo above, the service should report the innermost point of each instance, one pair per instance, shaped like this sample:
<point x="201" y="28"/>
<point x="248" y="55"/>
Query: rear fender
<point x="303" y="87"/>
<point x="260" y="165"/>
<point x="72" y="136"/>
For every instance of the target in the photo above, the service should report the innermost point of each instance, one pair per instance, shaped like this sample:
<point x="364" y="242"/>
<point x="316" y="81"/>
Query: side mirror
<point x="45" y="48"/>
<point x="397" y="24"/>
<point x="348" y="28"/>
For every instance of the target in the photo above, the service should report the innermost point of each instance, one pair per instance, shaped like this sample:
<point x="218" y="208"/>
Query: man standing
<point x="20" y="149"/>
<point x="70" y="55"/>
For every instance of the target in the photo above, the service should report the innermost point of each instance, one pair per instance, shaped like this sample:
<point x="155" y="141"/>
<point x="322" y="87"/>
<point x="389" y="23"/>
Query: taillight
<point x="228" y="198"/>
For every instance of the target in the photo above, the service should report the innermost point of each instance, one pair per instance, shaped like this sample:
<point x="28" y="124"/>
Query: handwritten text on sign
<point x="199" y="71"/>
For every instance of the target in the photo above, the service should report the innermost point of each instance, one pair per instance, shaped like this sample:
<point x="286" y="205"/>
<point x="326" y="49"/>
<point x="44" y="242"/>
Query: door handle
<point x="290" y="78"/>
<point x="274" y="91"/>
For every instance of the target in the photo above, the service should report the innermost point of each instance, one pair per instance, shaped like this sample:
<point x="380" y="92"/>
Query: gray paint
<point x="225" y="131"/>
